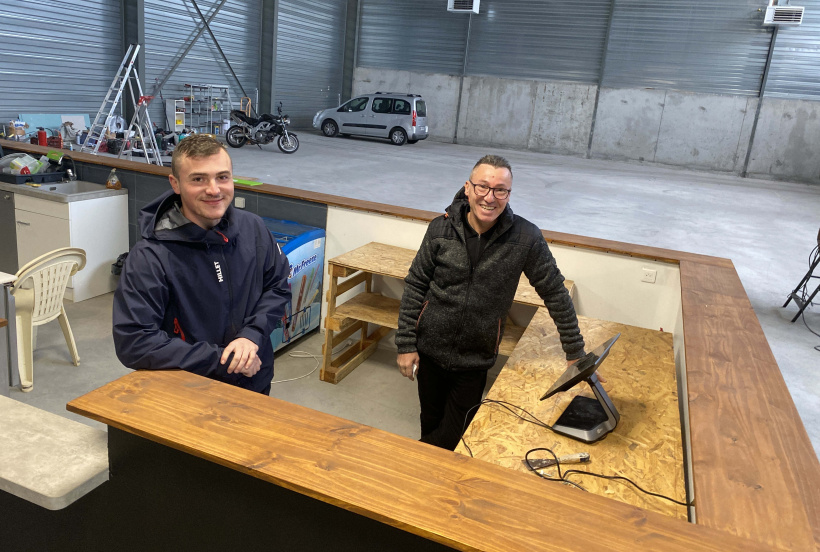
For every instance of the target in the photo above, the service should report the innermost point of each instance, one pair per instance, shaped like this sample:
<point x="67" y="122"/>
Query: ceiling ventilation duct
<point x="782" y="15"/>
<point x="463" y="6"/>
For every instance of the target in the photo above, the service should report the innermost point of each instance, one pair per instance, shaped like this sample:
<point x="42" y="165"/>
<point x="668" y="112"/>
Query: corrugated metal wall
<point x="548" y="40"/>
<point x="795" y="71"/>
<point x="695" y="45"/>
<point x="57" y="56"/>
<point x="310" y="46"/>
<point x="169" y="27"/>
<point x="413" y="36"/>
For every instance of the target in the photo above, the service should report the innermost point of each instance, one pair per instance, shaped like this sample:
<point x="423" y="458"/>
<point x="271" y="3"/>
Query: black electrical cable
<point x="561" y="475"/>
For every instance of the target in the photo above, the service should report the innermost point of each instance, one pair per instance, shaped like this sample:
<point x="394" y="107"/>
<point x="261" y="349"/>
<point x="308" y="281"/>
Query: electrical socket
<point x="239" y="202"/>
<point x="649" y="275"/>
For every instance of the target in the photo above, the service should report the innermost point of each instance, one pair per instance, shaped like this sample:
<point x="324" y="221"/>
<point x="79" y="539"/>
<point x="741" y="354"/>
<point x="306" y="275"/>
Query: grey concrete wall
<point x="699" y="131"/>
<point x="496" y="112"/>
<point x="440" y="93"/>
<point x="705" y="131"/>
<point x="690" y="130"/>
<point x="562" y="118"/>
<point x="787" y="140"/>
<point x="627" y="124"/>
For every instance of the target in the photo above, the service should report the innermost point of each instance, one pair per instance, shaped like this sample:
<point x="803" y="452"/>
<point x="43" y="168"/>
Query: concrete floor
<point x="766" y="228"/>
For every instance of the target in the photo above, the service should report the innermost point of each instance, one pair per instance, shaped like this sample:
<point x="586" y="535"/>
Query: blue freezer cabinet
<point x="304" y="247"/>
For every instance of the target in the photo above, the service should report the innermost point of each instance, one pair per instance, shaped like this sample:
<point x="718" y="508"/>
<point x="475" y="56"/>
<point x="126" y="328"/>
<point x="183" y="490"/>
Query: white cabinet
<point x="99" y="226"/>
<point x="175" y="112"/>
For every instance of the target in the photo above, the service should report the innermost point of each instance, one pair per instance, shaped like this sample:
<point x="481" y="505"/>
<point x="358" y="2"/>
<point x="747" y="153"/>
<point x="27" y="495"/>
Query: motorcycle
<point x="263" y="130"/>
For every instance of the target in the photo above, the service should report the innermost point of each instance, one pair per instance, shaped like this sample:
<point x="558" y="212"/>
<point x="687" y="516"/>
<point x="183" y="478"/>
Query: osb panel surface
<point x="378" y="258"/>
<point x="370" y="307"/>
<point x="527" y="295"/>
<point x="389" y="260"/>
<point x="640" y="372"/>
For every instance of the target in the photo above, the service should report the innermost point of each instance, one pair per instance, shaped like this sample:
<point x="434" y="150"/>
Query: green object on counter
<point x="246" y="182"/>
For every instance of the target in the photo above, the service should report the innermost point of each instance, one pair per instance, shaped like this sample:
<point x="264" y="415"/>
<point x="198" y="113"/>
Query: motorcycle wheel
<point x="235" y="137"/>
<point x="288" y="146"/>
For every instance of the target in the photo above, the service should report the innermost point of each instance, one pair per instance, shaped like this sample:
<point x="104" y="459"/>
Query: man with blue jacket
<point x="205" y="286"/>
<point x="458" y="292"/>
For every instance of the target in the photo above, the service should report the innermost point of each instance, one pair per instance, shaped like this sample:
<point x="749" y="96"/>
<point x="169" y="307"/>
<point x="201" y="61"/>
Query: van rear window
<point x="421" y="108"/>
<point x="402" y="107"/>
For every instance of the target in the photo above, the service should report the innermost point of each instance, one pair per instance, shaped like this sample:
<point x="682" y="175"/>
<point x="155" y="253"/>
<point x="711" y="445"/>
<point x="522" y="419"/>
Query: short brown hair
<point x="494" y="161"/>
<point x="195" y="146"/>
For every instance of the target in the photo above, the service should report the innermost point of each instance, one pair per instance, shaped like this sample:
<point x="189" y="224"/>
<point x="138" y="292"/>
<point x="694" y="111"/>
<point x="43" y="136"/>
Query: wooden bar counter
<point x="369" y="489"/>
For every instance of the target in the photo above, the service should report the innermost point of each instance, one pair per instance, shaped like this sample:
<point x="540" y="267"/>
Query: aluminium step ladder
<point x="140" y="123"/>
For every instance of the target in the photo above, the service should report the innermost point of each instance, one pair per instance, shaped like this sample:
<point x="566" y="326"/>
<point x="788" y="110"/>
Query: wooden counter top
<point x="443" y="496"/>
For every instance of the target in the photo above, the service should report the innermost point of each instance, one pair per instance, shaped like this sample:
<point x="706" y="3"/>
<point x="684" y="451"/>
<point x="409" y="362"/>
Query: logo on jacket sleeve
<point x="218" y="271"/>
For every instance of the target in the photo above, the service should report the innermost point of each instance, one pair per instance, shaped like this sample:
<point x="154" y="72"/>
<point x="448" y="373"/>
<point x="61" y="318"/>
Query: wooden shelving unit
<point x="356" y="314"/>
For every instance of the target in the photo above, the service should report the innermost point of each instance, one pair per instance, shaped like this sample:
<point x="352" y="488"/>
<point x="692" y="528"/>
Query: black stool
<point x="797" y="293"/>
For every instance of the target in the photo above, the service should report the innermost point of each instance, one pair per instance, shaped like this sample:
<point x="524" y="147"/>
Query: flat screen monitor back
<point x="581" y="370"/>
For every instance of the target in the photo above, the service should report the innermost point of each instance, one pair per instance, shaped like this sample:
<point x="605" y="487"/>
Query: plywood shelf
<point x="367" y="307"/>
<point x="353" y="316"/>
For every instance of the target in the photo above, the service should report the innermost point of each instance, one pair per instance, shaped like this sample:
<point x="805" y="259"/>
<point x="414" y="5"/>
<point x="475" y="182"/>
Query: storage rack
<point x="207" y="105"/>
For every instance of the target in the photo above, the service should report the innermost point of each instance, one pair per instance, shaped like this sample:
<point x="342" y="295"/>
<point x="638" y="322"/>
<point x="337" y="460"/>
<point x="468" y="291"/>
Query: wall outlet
<point x="649" y="275"/>
<point x="239" y="202"/>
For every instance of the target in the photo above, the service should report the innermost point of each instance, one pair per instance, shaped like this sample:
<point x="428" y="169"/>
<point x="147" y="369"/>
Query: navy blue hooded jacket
<point x="185" y="293"/>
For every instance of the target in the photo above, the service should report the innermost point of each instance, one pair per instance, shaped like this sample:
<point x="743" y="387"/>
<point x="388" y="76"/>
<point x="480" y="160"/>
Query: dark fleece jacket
<point x="455" y="313"/>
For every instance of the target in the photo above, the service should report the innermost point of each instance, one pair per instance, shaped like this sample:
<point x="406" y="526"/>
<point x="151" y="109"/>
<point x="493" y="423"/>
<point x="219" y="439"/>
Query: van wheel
<point x="412" y="141"/>
<point x="398" y="136"/>
<point x="329" y="128"/>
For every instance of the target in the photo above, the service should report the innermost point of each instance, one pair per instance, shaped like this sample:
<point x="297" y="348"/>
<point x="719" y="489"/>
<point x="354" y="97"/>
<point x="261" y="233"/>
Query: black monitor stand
<point x="586" y="419"/>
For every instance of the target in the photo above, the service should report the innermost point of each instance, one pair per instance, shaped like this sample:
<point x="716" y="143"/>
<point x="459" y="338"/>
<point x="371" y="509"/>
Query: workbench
<point x="646" y="445"/>
<point x="354" y="315"/>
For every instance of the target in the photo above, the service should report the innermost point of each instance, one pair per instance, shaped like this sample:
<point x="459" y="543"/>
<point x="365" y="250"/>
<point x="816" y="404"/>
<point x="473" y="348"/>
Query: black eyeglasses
<point x="482" y="190"/>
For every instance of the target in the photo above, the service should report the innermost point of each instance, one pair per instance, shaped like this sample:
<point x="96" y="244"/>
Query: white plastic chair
<point x="38" y="292"/>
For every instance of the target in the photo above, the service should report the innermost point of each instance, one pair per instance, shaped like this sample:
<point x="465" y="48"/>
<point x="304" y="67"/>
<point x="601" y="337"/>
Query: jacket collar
<point x="190" y="232"/>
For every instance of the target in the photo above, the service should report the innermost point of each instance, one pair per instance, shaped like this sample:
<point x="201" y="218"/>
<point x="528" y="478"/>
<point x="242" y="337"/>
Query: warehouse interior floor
<point x="767" y="229"/>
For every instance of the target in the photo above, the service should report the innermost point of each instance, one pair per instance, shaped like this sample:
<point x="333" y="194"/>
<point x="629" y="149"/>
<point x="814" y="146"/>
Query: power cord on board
<point x="562" y="475"/>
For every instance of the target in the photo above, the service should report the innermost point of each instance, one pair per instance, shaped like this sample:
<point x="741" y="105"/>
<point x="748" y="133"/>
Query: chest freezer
<point x="304" y="247"/>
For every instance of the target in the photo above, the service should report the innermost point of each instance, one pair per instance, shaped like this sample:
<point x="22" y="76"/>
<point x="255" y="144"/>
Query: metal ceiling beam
<point x="200" y="29"/>
<point x="216" y="43"/>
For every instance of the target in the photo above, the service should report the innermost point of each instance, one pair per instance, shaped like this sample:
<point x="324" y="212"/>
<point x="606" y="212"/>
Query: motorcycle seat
<point x="244" y="118"/>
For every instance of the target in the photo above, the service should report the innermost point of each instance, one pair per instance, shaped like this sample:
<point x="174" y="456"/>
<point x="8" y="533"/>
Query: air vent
<point x="783" y="15"/>
<point x="463" y="6"/>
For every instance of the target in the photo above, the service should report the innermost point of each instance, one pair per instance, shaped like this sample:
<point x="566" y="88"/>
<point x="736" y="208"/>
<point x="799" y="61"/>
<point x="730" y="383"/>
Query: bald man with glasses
<point x="459" y="289"/>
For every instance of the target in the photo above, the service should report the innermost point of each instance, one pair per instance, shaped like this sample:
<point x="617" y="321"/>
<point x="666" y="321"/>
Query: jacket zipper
<point x="469" y="286"/>
<point x="424" y="306"/>
<point x="178" y="329"/>
<point x="230" y="288"/>
<point x="498" y="338"/>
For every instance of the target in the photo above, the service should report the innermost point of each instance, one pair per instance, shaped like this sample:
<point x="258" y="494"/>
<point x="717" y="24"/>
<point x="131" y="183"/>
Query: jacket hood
<point x="190" y="232"/>
<point x="460" y="203"/>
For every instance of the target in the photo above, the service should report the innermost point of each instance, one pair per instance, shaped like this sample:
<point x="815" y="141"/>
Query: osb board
<point x="640" y="372"/>
<point x="527" y="295"/>
<point x="389" y="260"/>
<point x="370" y="307"/>
<point x="378" y="258"/>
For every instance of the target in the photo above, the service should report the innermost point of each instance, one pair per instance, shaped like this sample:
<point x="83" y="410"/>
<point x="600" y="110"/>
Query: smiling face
<point x="205" y="185"/>
<point x="484" y="211"/>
